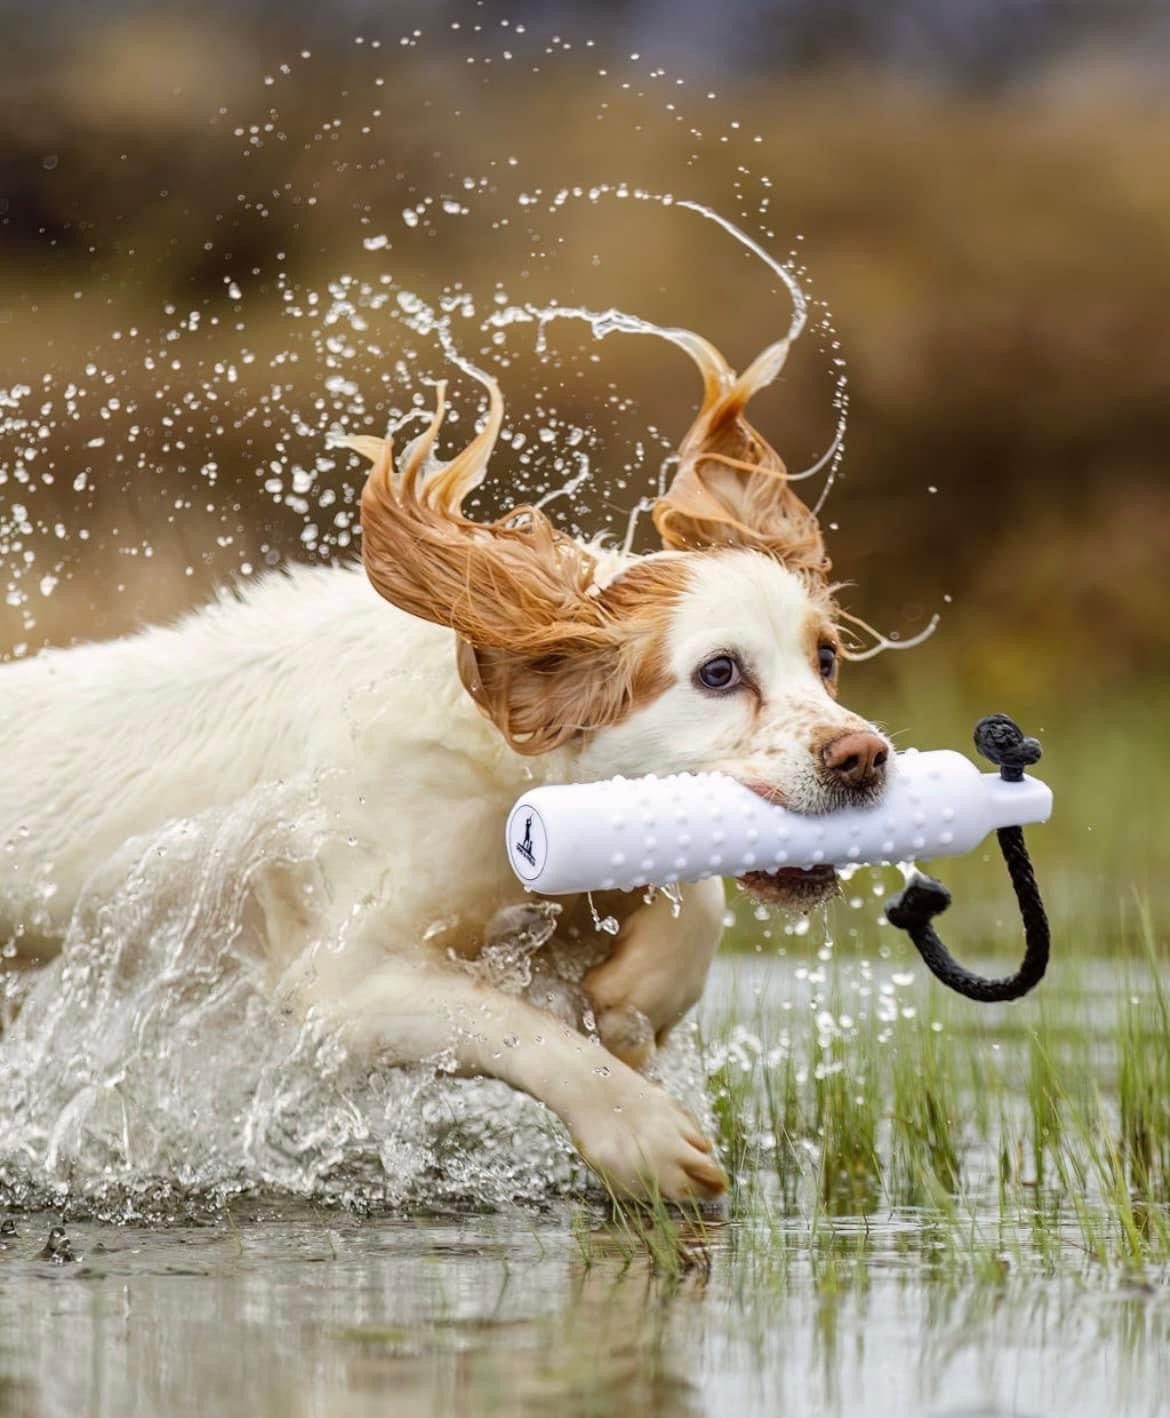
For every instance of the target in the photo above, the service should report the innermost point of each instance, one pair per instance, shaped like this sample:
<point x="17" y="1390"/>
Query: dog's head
<point x="719" y="652"/>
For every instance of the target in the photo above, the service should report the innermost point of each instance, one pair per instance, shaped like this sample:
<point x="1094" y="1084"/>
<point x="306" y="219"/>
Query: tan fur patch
<point x="539" y="700"/>
<point x="542" y="651"/>
<point x="732" y="488"/>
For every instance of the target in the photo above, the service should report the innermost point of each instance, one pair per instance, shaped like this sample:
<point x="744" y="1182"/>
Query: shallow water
<point x="293" y="1306"/>
<point x="291" y="1311"/>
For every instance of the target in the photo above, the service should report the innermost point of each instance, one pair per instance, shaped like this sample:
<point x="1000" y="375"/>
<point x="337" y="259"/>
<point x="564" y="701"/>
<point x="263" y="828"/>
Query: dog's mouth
<point x="792" y="888"/>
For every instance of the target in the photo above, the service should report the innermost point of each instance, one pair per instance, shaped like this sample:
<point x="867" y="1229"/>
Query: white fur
<point x="311" y="675"/>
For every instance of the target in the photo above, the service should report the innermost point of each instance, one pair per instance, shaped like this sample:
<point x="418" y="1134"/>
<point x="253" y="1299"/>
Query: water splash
<point x="353" y="354"/>
<point x="152" y="1064"/>
<point x="604" y="925"/>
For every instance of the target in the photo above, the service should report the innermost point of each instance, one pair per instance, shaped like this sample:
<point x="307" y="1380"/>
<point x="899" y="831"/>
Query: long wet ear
<point x="542" y="651"/>
<point x="731" y="487"/>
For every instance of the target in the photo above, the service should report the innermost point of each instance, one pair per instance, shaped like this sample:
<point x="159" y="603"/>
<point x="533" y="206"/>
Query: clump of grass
<point x="1033" y="1135"/>
<point x="845" y="1110"/>
<point x="924" y="1108"/>
<point x="1144" y="1078"/>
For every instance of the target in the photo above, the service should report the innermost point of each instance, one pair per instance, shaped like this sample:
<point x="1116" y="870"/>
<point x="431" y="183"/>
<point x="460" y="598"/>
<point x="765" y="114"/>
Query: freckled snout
<point x="857" y="760"/>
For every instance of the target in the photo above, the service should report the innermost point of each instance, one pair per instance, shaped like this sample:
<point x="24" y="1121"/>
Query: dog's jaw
<point x="796" y="889"/>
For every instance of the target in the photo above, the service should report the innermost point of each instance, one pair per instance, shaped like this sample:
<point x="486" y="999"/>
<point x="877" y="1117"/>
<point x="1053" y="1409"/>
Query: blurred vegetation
<point x="995" y="263"/>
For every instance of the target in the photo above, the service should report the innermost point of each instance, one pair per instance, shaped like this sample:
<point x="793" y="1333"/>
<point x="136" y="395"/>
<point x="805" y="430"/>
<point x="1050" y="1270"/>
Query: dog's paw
<point x="642" y="1144"/>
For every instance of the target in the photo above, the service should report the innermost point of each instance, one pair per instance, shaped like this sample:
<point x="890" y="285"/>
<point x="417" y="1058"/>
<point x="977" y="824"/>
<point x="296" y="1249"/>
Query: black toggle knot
<point x="918" y="902"/>
<point x="1001" y="741"/>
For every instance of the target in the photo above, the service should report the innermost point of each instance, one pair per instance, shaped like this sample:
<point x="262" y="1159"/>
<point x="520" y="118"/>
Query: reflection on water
<point x="812" y="1300"/>
<point x="292" y="1312"/>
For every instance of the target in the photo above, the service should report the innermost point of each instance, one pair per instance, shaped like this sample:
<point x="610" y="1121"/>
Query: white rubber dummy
<point x="629" y="832"/>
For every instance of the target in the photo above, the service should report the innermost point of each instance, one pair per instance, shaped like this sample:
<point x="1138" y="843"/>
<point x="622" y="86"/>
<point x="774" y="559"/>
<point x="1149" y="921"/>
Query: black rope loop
<point x="1000" y="740"/>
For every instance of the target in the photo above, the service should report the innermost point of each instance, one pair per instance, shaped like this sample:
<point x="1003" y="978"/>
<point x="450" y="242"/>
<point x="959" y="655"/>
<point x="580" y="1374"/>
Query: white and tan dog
<point x="510" y="654"/>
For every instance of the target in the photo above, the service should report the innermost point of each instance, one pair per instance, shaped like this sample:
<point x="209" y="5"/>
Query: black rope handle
<point x="1001" y="741"/>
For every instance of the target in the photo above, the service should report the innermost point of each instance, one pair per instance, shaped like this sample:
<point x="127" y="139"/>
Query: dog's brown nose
<point x="857" y="759"/>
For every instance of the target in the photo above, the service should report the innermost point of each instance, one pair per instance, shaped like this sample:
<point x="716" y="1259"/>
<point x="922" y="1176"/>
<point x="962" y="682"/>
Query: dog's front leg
<point x="657" y="970"/>
<point x="628" y="1129"/>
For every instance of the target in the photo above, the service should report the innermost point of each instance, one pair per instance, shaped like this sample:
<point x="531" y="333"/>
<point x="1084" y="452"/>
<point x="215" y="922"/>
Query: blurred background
<point x="976" y="191"/>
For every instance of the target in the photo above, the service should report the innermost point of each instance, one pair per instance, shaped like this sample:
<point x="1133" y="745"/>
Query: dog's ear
<point x="731" y="487"/>
<point x="543" y="651"/>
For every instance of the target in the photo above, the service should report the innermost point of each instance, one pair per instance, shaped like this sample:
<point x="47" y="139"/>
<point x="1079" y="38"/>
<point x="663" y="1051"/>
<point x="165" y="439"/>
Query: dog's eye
<point x="827" y="657"/>
<point x="720" y="672"/>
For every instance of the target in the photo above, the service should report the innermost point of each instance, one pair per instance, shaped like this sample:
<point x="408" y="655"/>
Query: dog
<point x="509" y="653"/>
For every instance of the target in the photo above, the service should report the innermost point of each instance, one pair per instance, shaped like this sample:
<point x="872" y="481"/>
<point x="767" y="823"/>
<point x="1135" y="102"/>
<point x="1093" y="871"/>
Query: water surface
<point x="273" y="1305"/>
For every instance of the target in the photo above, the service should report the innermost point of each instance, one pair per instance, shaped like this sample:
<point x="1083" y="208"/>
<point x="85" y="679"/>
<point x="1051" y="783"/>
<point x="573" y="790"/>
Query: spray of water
<point x="151" y="1063"/>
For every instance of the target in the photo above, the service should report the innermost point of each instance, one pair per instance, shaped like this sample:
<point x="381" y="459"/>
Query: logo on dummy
<point x="527" y="842"/>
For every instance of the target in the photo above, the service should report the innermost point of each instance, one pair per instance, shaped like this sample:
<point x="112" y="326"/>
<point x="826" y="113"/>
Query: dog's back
<point x="303" y="672"/>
